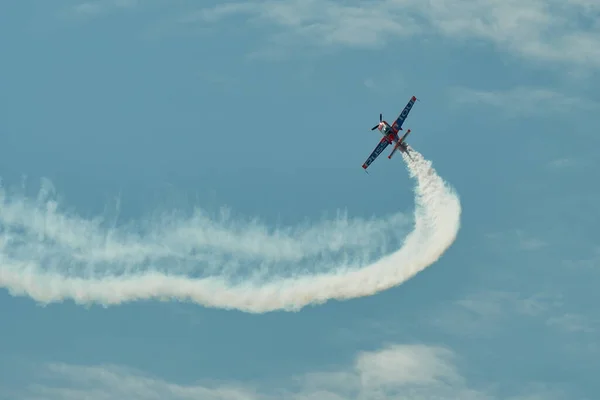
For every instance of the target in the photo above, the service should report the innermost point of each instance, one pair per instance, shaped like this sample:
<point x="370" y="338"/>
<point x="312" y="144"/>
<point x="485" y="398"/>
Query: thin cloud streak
<point x="92" y="9"/>
<point x="524" y="100"/>
<point x="395" y="372"/>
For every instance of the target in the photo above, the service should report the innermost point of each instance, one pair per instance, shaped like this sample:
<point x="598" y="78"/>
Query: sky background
<point x="265" y="107"/>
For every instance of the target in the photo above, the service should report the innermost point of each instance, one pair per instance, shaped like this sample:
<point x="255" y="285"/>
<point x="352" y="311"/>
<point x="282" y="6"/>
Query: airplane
<point x="390" y="134"/>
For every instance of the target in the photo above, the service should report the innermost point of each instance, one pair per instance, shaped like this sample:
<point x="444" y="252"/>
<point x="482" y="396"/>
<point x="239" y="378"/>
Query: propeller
<point x="380" y="119"/>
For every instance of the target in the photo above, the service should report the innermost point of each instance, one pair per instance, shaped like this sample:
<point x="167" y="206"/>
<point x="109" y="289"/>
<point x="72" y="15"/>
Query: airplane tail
<point x="400" y="144"/>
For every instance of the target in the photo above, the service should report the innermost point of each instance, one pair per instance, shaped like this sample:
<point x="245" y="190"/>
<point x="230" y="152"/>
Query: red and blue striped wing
<point x="402" y="117"/>
<point x="376" y="152"/>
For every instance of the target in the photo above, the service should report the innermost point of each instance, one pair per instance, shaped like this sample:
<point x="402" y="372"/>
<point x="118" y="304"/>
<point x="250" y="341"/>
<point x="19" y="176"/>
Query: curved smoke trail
<point x="30" y="266"/>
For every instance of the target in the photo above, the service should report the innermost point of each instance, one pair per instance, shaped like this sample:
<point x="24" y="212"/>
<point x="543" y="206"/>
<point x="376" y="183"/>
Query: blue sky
<point x="191" y="139"/>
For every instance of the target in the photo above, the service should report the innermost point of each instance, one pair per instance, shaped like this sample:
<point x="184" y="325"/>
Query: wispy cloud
<point x="384" y="83"/>
<point x="516" y="239"/>
<point x="218" y="12"/>
<point x="91" y="9"/>
<point x="524" y="100"/>
<point x="590" y="262"/>
<point x="485" y="313"/>
<point x="541" y="30"/>
<point x="396" y="372"/>
<point x="572" y="323"/>
<point x="548" y="30"/>
<point x="563" y="163"/>
<point x="494" y="303"/>
<point x="571" y="163"/>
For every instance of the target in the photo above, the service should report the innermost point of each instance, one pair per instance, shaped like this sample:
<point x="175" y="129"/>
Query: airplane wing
<point x="400" y="120"/>
<point x="376" y="152"/>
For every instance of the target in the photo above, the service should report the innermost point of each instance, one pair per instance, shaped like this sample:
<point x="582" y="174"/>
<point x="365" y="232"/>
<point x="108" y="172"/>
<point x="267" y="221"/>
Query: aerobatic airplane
<point x="390" y="134"/>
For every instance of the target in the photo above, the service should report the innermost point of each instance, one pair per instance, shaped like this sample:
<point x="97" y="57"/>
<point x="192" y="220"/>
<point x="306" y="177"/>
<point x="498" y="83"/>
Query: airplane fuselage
<point x="391" y="136"/>
<point x="387" y="131"/>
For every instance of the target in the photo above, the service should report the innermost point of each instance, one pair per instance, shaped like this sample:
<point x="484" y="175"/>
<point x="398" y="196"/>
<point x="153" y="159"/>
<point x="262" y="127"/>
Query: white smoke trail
<point x="39" y="244"/>
<point x="35" y="229"/>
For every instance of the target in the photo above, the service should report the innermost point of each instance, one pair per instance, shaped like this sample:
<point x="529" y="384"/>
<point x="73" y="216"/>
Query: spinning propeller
<point x="380" y="119"/>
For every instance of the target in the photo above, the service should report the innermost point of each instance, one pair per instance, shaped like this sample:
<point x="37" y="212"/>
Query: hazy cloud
<point x="524" y="100"/>
<point x="545" y="30"/>
<point x="395" y="372"/>
<point x="96" y="8"/>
